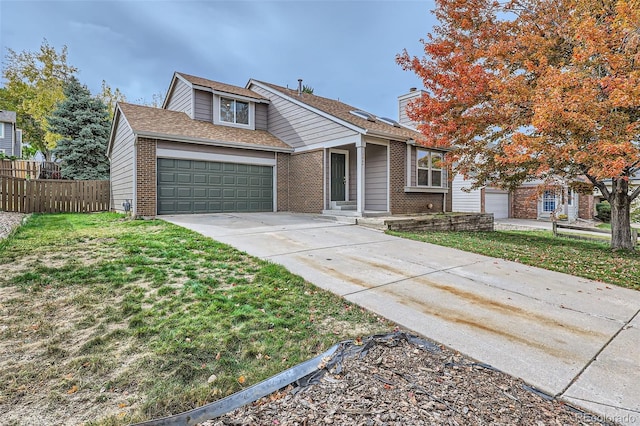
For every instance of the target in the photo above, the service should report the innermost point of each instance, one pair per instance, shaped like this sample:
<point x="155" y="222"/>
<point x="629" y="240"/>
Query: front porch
<point x="349" y="209"/>
<point x="357" y="179"/>
<point x="374" y="177"/>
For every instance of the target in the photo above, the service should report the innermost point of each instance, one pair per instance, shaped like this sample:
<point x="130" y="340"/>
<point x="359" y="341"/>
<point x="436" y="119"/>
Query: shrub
<point x="604" y="211"/>
<point x="635" y="211"/>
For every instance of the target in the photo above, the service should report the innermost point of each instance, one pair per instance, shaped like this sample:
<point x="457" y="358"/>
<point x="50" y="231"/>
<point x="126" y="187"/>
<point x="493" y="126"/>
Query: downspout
<point x="289" y="182"/>
<point x="134" y="208"/>
<point x="325" y="205"/>
<point x="275" y="184"/>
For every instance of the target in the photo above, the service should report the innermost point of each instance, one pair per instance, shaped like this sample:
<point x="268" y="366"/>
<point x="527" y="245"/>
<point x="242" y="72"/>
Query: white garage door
<point x="498" y="204"/>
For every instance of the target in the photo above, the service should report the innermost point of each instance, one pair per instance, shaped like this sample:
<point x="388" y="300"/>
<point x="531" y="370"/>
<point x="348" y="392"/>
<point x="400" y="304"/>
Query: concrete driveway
<point x="569" y="337"/>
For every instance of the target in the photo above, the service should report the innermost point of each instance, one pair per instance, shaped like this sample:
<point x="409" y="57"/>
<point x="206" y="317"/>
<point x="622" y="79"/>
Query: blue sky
<point x="343" y="49"/>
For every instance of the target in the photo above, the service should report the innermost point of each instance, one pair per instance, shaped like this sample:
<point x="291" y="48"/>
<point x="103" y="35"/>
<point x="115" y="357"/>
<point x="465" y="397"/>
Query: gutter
<point x="260" y="100"/>
<point x="412" y="142"/>
<point x="203" y="141"/>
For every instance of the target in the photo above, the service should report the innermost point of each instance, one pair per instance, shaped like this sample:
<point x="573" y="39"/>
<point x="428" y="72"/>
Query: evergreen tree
<point x="83" y="123"/>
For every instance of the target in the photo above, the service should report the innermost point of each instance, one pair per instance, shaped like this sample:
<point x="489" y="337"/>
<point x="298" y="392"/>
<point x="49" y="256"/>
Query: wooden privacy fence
<point x="53" y="196"/>
<point x="27" y="169"/>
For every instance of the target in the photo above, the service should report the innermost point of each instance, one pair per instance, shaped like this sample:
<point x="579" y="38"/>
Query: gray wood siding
<point x="403" y="101"/>
<point x="298" y="126"/>
<point x="122" y="170"/>
<point x="414" y="178"/>
<point x="403" y="118"/>
<point x="262" y="110"/>
<point x="375" y="181"/>
<point x="203" y="106"/>
<point x="210" y="149"/>
<point x="180" y="99"/>
<point x="6" y="143"/>
<point x="17" y="148"/>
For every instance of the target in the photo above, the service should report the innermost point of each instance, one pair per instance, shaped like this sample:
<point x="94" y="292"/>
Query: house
<point x="215" y="147"/>
<point x="525" y="202"/>
<point x="10" y="136"/>
<point x="634" y="183"/>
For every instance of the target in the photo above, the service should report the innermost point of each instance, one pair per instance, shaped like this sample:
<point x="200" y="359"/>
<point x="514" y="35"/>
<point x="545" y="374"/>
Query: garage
<point x="497" y="203"/>
<point x="191" y="186"/>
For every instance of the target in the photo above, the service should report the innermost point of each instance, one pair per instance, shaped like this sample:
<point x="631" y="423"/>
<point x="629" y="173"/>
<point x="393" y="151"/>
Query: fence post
<point x="555" y="228"/>
<point x="634" y="237"/>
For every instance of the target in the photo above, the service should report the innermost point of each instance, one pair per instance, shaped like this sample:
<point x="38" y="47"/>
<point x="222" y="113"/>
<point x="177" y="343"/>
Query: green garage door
<point x="189" y="186"/>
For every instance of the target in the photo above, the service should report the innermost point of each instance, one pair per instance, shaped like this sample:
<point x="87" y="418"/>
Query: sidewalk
<point x="569" y="337"/>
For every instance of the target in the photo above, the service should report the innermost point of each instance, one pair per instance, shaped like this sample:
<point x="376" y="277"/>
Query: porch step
<point x="341" y="213"/>
<point x="372" y="222"/>
<point x="344" y="205"/>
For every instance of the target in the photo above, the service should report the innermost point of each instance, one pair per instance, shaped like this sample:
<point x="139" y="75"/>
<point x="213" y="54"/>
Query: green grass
<point x="606" y="225"/>
<point x="589" y="259"/>
<point x="134" y="317"/>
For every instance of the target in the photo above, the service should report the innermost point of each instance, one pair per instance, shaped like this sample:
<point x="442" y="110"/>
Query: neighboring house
<point x="214" y="147"/>
<point x="10" y="136"/>
<point x="522" y="203"/>
<point x="634" y="182"/>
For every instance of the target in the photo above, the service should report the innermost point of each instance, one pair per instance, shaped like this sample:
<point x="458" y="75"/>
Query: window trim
<point x="234" y="122"/>
<point x="549" y="198"/>
<point x="430" y="169"/>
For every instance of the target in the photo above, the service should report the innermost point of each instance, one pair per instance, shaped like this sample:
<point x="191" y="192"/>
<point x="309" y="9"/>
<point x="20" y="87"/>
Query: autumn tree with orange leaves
<point x="536" y="89"/>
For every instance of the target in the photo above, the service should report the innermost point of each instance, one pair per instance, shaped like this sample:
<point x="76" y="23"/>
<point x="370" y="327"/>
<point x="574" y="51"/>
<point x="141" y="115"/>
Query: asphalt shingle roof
<point x="174" y="123"/>
<point x="221" y="87"/>
<point x="8" y="116"/>
<point x="343" y="112"/>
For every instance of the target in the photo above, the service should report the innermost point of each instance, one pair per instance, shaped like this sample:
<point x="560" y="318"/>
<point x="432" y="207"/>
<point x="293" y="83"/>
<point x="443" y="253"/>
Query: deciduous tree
<point x="34" y="84"/>
<point x="110" y="97"/>
<point x="83" y="122"/>
<point x="536" y="89"/>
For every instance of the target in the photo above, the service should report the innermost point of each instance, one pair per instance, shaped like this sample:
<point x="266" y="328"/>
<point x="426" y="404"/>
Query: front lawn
<point x="108" y="321"/>
<point x="607" y="225"/>
<point x="589" y="259"/>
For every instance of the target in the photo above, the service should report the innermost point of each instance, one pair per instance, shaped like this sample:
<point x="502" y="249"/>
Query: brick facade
<point x="524" y="203"/>
<point x="305" y="182"/>
<point x="410" y="202"/>
<point x="300" y="186"/>
<point x="282" y="190"/>
<point x="145" y="178"/>
<point x="586" y="206"/>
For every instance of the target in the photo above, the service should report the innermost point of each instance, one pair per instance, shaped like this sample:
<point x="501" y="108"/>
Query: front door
<point x="338" y="176"/>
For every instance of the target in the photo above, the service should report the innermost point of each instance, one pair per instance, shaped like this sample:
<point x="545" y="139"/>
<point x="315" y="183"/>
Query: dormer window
<point x="233" y="111"/>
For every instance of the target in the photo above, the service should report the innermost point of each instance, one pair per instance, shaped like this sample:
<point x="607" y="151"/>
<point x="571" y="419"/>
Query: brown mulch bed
<point x="398" y="382"/>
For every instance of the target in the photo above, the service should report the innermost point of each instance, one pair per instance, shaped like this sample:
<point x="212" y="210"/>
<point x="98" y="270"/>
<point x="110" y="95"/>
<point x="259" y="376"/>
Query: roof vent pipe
<point x="299" y="86"/>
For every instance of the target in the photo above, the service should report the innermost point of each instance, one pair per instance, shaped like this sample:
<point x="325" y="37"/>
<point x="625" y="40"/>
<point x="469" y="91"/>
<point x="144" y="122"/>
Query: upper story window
<point x="233" y="111"/>
<point x="430" y="168"/>
<point x="1" y="130"/>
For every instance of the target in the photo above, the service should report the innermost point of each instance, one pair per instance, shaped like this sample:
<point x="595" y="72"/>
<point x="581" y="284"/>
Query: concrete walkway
<point x="570" y="337"/>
